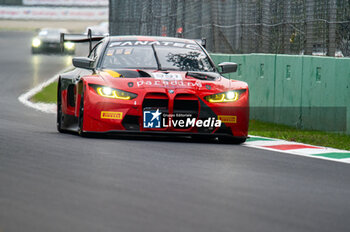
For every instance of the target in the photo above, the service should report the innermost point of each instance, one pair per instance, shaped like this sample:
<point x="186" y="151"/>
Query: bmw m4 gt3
<point x="151" y="85"/>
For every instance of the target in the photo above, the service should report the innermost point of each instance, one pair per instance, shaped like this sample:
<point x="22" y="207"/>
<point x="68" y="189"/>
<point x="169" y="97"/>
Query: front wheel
<point x="81" y="116"/>
<point x="59" y="111"/>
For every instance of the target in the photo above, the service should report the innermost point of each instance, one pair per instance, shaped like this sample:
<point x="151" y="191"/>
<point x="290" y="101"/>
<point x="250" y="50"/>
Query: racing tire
<point x="81" y="117"/>
<point x="232" y="140"/>
<point x="59" y="111"/>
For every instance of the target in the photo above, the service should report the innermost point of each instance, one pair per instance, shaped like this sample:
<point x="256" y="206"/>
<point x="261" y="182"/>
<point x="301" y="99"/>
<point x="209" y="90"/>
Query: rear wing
<point x="80" y="38"/>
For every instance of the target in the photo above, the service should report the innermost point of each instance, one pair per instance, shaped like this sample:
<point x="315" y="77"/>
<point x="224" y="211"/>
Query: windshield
<point x="140" y="55"/>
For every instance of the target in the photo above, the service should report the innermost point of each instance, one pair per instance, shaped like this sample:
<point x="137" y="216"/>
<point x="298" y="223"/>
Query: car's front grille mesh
<point x="185" y="106"/>
<point x="155" y="103"/>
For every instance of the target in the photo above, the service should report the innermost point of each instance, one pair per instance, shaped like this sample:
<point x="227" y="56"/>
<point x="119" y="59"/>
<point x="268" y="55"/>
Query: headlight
<point x="229" y="96"/>
<point x="36" y="42"/>
<point x="69" y="45"/>
<point x="115" y="93"/>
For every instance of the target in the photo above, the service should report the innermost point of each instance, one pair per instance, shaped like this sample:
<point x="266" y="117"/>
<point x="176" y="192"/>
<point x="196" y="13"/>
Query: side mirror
<point x="83" y="62"/>
<point x="228" y="67"/>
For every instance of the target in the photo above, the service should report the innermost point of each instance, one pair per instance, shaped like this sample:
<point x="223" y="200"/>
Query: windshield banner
<point x="155" y="43"/>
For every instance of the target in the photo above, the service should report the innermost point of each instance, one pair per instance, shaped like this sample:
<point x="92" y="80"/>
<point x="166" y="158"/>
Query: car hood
<point x="49" y="38"/>
<point x="142" y="79"/>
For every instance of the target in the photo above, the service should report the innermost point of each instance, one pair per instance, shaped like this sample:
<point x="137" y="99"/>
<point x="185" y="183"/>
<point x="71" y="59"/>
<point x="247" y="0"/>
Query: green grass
<point x="258" y="128"/>
<point x="47" y="95"/>
<point x="327" y="139"/>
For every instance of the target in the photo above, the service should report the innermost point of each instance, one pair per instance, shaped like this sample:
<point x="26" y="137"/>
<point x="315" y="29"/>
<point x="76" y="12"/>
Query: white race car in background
<point x="48" y="41"/>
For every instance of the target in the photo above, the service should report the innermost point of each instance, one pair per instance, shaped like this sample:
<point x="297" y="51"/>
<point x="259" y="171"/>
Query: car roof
<point x="54" y="29"/>
<point x="150" y="38"/>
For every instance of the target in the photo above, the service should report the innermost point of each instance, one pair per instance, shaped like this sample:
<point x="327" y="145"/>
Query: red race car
<point x="151" y="85"/>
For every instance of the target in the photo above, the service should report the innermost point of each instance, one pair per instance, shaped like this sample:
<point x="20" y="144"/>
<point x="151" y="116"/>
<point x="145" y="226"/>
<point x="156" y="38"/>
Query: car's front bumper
<point x="104" y="115"/>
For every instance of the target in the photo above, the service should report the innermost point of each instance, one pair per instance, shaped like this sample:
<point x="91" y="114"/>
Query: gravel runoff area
<point x="74" y="26"/>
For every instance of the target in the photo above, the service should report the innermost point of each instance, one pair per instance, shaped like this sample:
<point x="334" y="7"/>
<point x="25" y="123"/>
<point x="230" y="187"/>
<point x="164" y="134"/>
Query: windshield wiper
<point x="156" y="56"/>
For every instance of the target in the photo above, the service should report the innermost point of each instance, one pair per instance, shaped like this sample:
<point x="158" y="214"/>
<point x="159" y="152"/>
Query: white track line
<point x="44" y="107"/>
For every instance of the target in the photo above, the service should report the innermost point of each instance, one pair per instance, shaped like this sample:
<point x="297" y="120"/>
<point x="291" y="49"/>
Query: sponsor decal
<point x="167" y="76"/>
<point x="152" y="119"/>
<point x="157" y="119"/>
<point x="191" y="122"/>
<point x="110" y="52"/>
<point x="128" y="51"/>
<point x="155" y="43"/>
<point x="111" y="115"/>
<point x="227" y="118"/>
<point x="119" y="51"/>
<point x="165" y="83"/>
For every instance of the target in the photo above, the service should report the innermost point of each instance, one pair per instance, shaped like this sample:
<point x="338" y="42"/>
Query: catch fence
<point x="318" y="27"/>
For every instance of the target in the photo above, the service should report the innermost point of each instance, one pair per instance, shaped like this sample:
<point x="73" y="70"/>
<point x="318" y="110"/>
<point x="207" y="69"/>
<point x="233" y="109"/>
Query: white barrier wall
<point x="54" y="13"/>
<point x="67" y="2"/>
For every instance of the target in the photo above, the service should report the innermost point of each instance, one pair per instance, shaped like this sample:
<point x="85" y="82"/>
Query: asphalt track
<point x="61" y="182"/>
